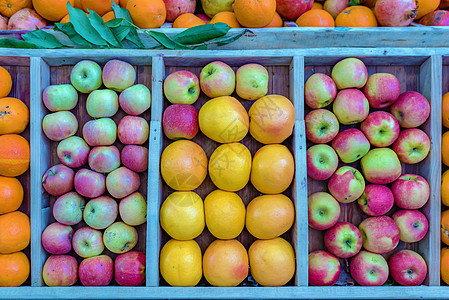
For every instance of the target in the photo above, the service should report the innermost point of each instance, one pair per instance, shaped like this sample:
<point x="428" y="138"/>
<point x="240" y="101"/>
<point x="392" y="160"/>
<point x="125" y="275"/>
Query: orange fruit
<point x="5" y="82"/>
<point x="78" y="4"/>
<point x="14" y="269"/>
<point x="444" y="264"/>
<point x="276" y="22"/>
<point x="315" y="18"/>
<point x="269" y="216"/>
<point x="52" y="10"/>
<point x="445" y="227"/>
<point x="14" y="232"/>
<point x="182" y="215"/>
<point x="445" y="148"/>
<point x="123" y="3"/>
<point x="272" y="118"/>
<point x="10" y="7"/>
<point x="147" y="14"/>
<point x="272" y="262"/>
<point x="14" y="155"/>
<point x="254" y="13"/>
<point x="225" y="214"/>
<point x="356" y="16"/>
<point x="108" y="16"/>
<point x="101" y="7"/>
<point x="272" y="169"/>
<point x="225" y="263"/>
<point x="11" y="194"/>
<point x="445" y="188"/>
<point x="317" y="5"/>
<point x="226" y="17"/>
<point x="187" y="21"/>
<point x="425" y="6"/>
<point x="183" y="165"/>
<point x="181" y="263"/>
<point x="66" y="19"/>
<point x="445" y="110"/>
<point x="14" y="115"/>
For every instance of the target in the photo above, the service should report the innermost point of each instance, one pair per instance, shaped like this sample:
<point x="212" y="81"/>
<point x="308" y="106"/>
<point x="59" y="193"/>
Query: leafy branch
<point x="90" y="31"/>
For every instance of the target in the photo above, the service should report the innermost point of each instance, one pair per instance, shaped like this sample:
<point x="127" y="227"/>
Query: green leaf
<point x="15" y="43"/>
<point x="201" y="33"/>
<point x="355" y="2"/>
<point x="134" y="38"/>
<point x="42" y="39"/>
<point x="114" y="23"/>
<point x="97" y="22"/>
<point x="224" y="40"/>
<point x="121" y="13"/>
<point x="69" y="30"/>
<point x="165" y="41"/>
<point x="121" y="32"/>
<point x="82" y="26"/>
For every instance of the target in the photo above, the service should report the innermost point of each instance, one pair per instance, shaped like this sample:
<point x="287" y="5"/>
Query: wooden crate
<point x="414" y="69"/>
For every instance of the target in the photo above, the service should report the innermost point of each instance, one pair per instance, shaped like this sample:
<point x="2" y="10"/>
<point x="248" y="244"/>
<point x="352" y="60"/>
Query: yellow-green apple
<point x="58" y="180"/>
<point x="130" y="268"/>
<point x="346" y="184"/>
<point x="89" y="183"/>
<point x="321" y="126"/>
<point x="319" y="91"/>
<point x="369" y="269"/>
<point x="376" y="200"/>
<point x="382" y="90"/>
<point x="350" y="106"/>
<point x="100" y="132"/>
<point x="380" y="234"/>
<point x="407" y="268"/>
<point x="175" y="8"/>
<point x="251" y="81"/>
<point x="104" y="159"/>
<point x="322" y="161"/>
<point x="349" y="73"/>
<point x="122" y="182"/>
<point x="217" y="79"/>
<point x="351" y="145"/>
<point x="213" y="7"/>
<point x="182" y="87"/>
<point x="410" y="191"/>
<point x="412" y="224"/>
<point x="292" y="9"/>
<point x="118" y="75"/>
<point x="133" y="130"/>
<point x="68" y="209"/>
<point x="102" y="103"/>
<point x="411" y="109"/>
<point x="412" y="146"/>
<point x="135" y="158"/>
<point x="133" y="209"/>
<point x="60" y="97"/>
<point x="335" y="7"/>
<point x="323" y="211"/>
<point x="135" y="100"/>
<point x="180" y="121"/>
<point x="381" y="166"/>
<point x="59" y="125"/>
<point x="381" y="128"/>
<point x="120" y="237"/>
<point x="343" y="240"/>
<point x="324" y="268"/>
<point x="73" y="151"/>
<point x="86" y="76"/>
<point x="96" y="271"/>
<point x="100" y="212"/>
<point x="60" y="270"/>
<point x="57" y="238"/>
<point x="87" y="242"/>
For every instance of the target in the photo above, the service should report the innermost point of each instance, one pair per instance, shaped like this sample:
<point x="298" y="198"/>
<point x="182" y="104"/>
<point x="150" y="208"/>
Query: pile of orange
<point x="14" y="161"/>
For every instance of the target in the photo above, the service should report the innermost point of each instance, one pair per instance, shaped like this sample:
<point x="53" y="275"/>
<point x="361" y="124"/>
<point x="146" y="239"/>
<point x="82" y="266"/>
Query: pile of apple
<point x="91" y="168"/>
<point x="381" y="140"/>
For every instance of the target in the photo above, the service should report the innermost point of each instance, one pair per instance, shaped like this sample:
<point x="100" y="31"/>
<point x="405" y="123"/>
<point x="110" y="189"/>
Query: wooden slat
<point x="156" y="89"/>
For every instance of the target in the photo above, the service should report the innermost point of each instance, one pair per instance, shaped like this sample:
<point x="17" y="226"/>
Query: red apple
<point x="347" y="184"/>
<point x="89" y="183"/>
<point x="130" y="268"/>
<point x="135" y="158"/>
<point x="380" y="234"/>
<point x="369" y="269"/>
<point x="381" y="128"/>
<point x="180" y="121"/>
<point x="88" y="242"/>
<point x="122" y="182"/>
<point x="376" y="200"/>
<point x="60" y="270"/>
<point x="133" y="130"/>
<point x="350" y="106"/>
<point x="343" y="240"/>
<point x="58" y="180"/>
<point x="324" y="268"/>
<point x="407" y="268"/>
<point x="182" y="87"/>
<point x="104" y="159"/>
<point x="411" y="109"/>
<point x="73" y="152"/>
<point x="292" y="9"/>
<point x="323" y="211"/>
<point x="412" y="146"/>
<point x="96" y="271"/>
<point x="203" y="17"/>
<point x="175" y="8"/>
<point x="57" y="238"/>
<point x="118" y="75"/>
<point x="381" y="166"/>
<point x="351" y="145"/>
<point x="412" y="224"/>
<point x="382" y="90"/>
<point x="321" y="126"/>
<point x="319" y="91"/>
<point x="410" y="191"/>
<point x="350" y="73"/>
<point x="322" y="161"/>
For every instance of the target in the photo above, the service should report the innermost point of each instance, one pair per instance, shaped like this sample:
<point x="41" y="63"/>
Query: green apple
<point x="120" y="237"/>
<point x="381" y="166"/>
<point x="86" y="76"/>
